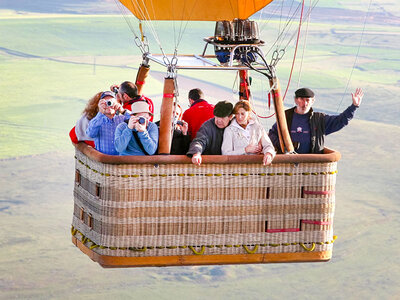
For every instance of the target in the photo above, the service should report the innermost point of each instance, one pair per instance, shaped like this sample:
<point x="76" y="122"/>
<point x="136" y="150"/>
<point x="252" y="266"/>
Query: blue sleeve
<point x="95" y="125"/>
<point x="274" y="137"/>
<point x="149" y="138"/>
<point x="335" y="123"/>
<point x="122" y="137"/>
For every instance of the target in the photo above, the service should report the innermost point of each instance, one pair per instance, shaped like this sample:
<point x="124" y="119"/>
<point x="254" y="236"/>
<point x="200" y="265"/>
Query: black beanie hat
<point x="304" y="93"/>
<point x="223" y="109"/>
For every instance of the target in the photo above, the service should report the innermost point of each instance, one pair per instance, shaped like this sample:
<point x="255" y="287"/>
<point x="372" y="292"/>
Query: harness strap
<point x="139" y="142"/>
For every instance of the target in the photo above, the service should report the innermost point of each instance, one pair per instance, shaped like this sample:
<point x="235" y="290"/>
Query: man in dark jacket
<point x="308" y="128"/>
<point x="208" y="140"/>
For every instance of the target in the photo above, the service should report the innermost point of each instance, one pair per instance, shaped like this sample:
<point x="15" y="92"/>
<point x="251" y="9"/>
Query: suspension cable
<point x="304" y="47"/>
<point x="145" y="15"/>
<point x="295" y="51"/>
<point x="282" y="35"/>
<point x="358" y="52"/>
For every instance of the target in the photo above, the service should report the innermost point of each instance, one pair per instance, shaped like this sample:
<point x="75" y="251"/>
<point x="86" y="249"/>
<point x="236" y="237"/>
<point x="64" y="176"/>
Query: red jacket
<point x="196" y="115"/>
<point x="127" y="105"/>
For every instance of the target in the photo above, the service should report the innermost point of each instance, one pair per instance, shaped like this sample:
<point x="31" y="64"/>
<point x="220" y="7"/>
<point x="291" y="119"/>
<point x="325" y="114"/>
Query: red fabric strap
<point x="316" y="222"/>
<point x="168" y="95"/>
<point x="140" y="82"/>
<point x="283" y="230"/>
<point x="318" y="192"/>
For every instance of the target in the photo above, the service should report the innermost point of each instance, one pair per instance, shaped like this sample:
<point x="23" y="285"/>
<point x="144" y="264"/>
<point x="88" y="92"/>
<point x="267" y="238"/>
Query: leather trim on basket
<point x="329" y="155"/>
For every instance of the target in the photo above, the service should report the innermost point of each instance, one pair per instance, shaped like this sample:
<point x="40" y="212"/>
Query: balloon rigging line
<point x="266" y="22"/>
<point x="124" y="14"/>
<point x="304" y="47"/>
<point x="186" y="24"/>
<point x="357" y="55"/>
<point x="284" y="30"/>
<point x="295" y="51"/>
<point x="294" y="57"/>
<point x="149" y="24"/>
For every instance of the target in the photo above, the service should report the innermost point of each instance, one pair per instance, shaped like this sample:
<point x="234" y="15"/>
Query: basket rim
<point x="328" y="156"/>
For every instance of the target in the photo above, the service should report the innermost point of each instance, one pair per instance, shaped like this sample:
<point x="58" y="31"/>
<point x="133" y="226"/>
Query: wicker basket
<point x="162" y="210"/>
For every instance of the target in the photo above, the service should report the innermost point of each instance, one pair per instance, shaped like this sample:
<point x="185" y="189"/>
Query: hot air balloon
<point x="132" y="211"/>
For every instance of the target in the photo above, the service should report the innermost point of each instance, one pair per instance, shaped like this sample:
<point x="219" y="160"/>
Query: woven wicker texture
<point x="181" y="209"/>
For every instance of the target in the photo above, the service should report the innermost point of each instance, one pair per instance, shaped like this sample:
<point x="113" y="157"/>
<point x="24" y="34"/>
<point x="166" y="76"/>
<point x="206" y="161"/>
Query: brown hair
<point x="242" y="104"/>
<point x="129" y="88"/>
<point x="196" y="94"/>
<point x="92" y="108"/>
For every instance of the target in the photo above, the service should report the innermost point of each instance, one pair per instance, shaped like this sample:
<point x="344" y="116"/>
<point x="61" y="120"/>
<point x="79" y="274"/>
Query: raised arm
<point x="357" y="97"/>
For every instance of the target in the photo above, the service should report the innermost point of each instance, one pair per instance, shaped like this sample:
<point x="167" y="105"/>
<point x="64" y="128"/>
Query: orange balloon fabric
<point x="194" y="10"/>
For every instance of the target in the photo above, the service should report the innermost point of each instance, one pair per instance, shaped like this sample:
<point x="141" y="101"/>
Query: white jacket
<point x="80" y="128"/>
<point x="237" y="138"/>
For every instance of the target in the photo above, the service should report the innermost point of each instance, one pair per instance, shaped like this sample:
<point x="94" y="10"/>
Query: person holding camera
<point x="127" y="94"/>
<point x="102" y="127"/>
<point x="180" y="138"/>
<point x="137" y="135"/>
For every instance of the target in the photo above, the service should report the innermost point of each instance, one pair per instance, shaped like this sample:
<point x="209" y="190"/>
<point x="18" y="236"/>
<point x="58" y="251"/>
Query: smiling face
<point x="108" y="110"/>
<point x="242" y="117"/>
<point x="303" y="105"/>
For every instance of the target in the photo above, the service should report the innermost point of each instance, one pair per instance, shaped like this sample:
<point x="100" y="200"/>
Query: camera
<point x="115" y="90"/>
<point x="179" y="122"/>
<point x="142" y="120"/>
<point x="110" y="102"/>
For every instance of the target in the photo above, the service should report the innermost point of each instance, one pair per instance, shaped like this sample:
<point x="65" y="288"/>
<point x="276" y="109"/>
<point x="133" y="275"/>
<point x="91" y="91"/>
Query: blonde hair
<point x="92" y="108"/>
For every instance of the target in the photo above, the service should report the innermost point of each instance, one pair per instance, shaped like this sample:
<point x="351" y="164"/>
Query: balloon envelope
<point x="194" y="10"/>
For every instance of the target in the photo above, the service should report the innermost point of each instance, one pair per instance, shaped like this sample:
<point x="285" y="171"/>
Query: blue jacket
<point x="102" y="129"/>
<point x="126" y="144"/>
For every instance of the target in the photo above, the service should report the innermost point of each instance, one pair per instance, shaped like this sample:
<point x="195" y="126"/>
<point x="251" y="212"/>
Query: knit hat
<point x="223" y="109"/>
<point x="304" y="93"/>
<point x="139" y="107"/>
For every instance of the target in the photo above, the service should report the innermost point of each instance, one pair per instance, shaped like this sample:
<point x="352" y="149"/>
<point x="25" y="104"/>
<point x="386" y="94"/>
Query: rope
<point x="356" y="58"/>
<point x="312" y="248"/>
<point x="203" y="248"/>
<point x="304" y="47"/>
<point x="85" y="240"/>
<point x="284" y="31"/>
<point x="146" y="16"/>
<point x="251" y="251"/>
<point x="295" y="51"/>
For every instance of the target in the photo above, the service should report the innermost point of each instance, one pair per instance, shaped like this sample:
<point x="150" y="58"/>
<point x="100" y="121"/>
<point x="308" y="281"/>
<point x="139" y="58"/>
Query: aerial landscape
<point x="55" y="55"/>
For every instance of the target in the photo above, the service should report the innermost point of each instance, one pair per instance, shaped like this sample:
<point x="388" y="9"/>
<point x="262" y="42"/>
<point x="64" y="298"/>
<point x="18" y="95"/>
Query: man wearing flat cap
<point x="208" y="140"/>
<point x="308" y="128"/>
